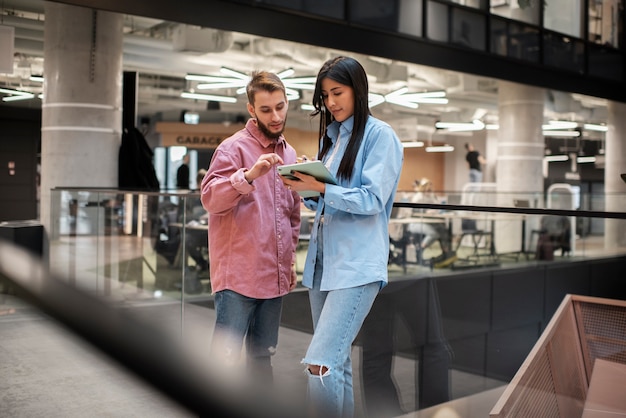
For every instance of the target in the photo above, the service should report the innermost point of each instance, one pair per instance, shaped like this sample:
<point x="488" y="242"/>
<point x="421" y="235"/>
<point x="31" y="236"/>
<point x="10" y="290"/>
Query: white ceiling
<point x="156" y="50"/>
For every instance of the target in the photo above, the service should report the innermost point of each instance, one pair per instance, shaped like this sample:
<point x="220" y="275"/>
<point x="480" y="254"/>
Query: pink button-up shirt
<point x="253" y="228"/>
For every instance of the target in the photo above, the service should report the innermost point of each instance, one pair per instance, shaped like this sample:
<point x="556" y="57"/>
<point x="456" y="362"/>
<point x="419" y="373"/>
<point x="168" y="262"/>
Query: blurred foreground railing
<point x="160" y="360"/>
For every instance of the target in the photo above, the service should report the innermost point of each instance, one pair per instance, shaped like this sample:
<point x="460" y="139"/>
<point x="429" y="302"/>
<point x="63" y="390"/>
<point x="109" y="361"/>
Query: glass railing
<point x="462" y="312"/>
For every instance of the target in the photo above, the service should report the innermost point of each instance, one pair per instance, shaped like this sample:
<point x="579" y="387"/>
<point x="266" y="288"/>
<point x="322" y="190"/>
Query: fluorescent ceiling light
<point x="306" y="106"/>
<point x="215" y="86"/>
<point x="440" y="148"/>
<point x="553" y="158"/>
<point x="26" y="96"/>
<point x="590" y="159"/>
<point x="285" y="73"/>
<point x="208" y="97"/>
<point x="402" y="97"/>
<point x="235" y="74"/>
<point x="239" y="80"/>
<point x="565" y="134"/>
<point x="594" y="127"/>
<point x="492" y="127"/>
<point x="13" y="91"/>
<point x="413" y="144"/>
<point x="375" y="99"/>
<point x="559" y="124"/>
<point x="292" y="94"/>
<point x="301" y="83"/>
<point x="475" y="125"/>
<point x="16" y="95"/>
<point x="38" y="78"/>
<point x="395" y="97"/>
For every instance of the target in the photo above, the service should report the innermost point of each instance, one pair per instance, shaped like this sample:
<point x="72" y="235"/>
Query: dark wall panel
<point x="517" y="298"/>
<point x="20" y="137"/>
<point x="465" y="304"/>
<point x="507" y="349"/>
<point x="563" y="280"/>
<point x="608" y="280"/>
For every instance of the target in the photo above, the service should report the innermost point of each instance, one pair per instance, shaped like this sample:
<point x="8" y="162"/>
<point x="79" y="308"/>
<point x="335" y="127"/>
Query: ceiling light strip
<point x="562" y="134"/>
<point x="440" y="148"/>
<point x="80" y="105"/>
<point x="412" y="144"/>
<point x="78" y="129"/>
<point x="13" y="91"/>
<point x="234" y="73"/>
<point x="27" y="96"/>
<point x="555" y="158"/>
<point x="215" y="86"/>
<point x="595" y="127"/>
<point x="208" y="97"/>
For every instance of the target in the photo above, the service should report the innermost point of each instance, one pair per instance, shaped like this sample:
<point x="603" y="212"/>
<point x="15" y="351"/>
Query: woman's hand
<point x="304" y="182"/>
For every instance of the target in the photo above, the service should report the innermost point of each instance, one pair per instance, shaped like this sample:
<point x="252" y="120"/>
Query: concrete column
<point x="615" y="164"/>
<point x="520" y="141"/>
<point x="81" y="111"/>
<point x="520" y="155"/>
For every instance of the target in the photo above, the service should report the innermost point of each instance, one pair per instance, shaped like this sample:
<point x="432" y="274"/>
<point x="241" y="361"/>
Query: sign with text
<point x="200" y="136"/>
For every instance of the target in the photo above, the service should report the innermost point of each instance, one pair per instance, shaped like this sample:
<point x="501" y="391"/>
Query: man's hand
<point x="262" y="166"/>
<point x="294" y="278"/>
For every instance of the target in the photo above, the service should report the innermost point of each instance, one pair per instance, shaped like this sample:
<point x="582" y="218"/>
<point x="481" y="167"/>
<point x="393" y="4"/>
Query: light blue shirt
<point x="356" y="212"/>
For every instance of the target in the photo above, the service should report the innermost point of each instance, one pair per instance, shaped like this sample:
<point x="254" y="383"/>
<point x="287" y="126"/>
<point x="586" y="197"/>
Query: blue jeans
<point x="475" y="176"/>
<point x="337" y="319"/>
<point x="256" y="320"/>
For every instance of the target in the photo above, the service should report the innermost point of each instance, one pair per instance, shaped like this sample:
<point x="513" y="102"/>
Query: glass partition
<point x="522" y="10"/>
<point x="154" y="246"/>
<point x="474" y="276"/>
<point x="604" y="16"/>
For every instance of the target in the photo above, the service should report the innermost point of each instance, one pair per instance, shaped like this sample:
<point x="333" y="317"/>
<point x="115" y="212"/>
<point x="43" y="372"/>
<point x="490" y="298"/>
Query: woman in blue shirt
<point x="346" y="264"/>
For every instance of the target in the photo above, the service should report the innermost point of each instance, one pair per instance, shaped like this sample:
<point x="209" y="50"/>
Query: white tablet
<point x="316" y="169"/>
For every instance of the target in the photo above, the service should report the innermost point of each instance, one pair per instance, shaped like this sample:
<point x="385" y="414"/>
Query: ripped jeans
<point x="256" y="320"/>
<point x="337" y="319"/>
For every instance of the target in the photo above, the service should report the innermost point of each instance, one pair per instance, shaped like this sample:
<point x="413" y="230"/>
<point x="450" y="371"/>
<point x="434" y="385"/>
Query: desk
<point x="400" y="237"/>
<point x="489" y="231"/>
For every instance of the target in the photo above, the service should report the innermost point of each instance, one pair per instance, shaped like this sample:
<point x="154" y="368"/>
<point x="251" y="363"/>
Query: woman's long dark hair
<point x="349" y="72"/>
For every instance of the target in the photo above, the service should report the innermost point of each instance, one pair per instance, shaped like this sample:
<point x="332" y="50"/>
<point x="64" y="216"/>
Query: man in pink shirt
<point x="254" y="224"/>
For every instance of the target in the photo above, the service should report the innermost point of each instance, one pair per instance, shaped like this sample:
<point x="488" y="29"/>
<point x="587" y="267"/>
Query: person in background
<point x="346" y="263"/>
<point x="254" y="223"/>
<point x="429" y="229"/>
<point x="475" y="162"/>
<point x="182" y="174"/>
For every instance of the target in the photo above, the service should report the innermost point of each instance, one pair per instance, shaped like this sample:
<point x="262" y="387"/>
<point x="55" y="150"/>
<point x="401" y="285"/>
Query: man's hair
<point x="263" y="81"/>
<point x="467" y="145"/>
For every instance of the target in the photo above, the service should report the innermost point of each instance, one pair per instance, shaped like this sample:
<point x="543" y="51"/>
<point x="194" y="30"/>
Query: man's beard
<point x="267" y="132"/>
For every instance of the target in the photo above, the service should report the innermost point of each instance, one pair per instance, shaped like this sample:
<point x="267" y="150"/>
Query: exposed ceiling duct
<point x="186" y="38"/>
